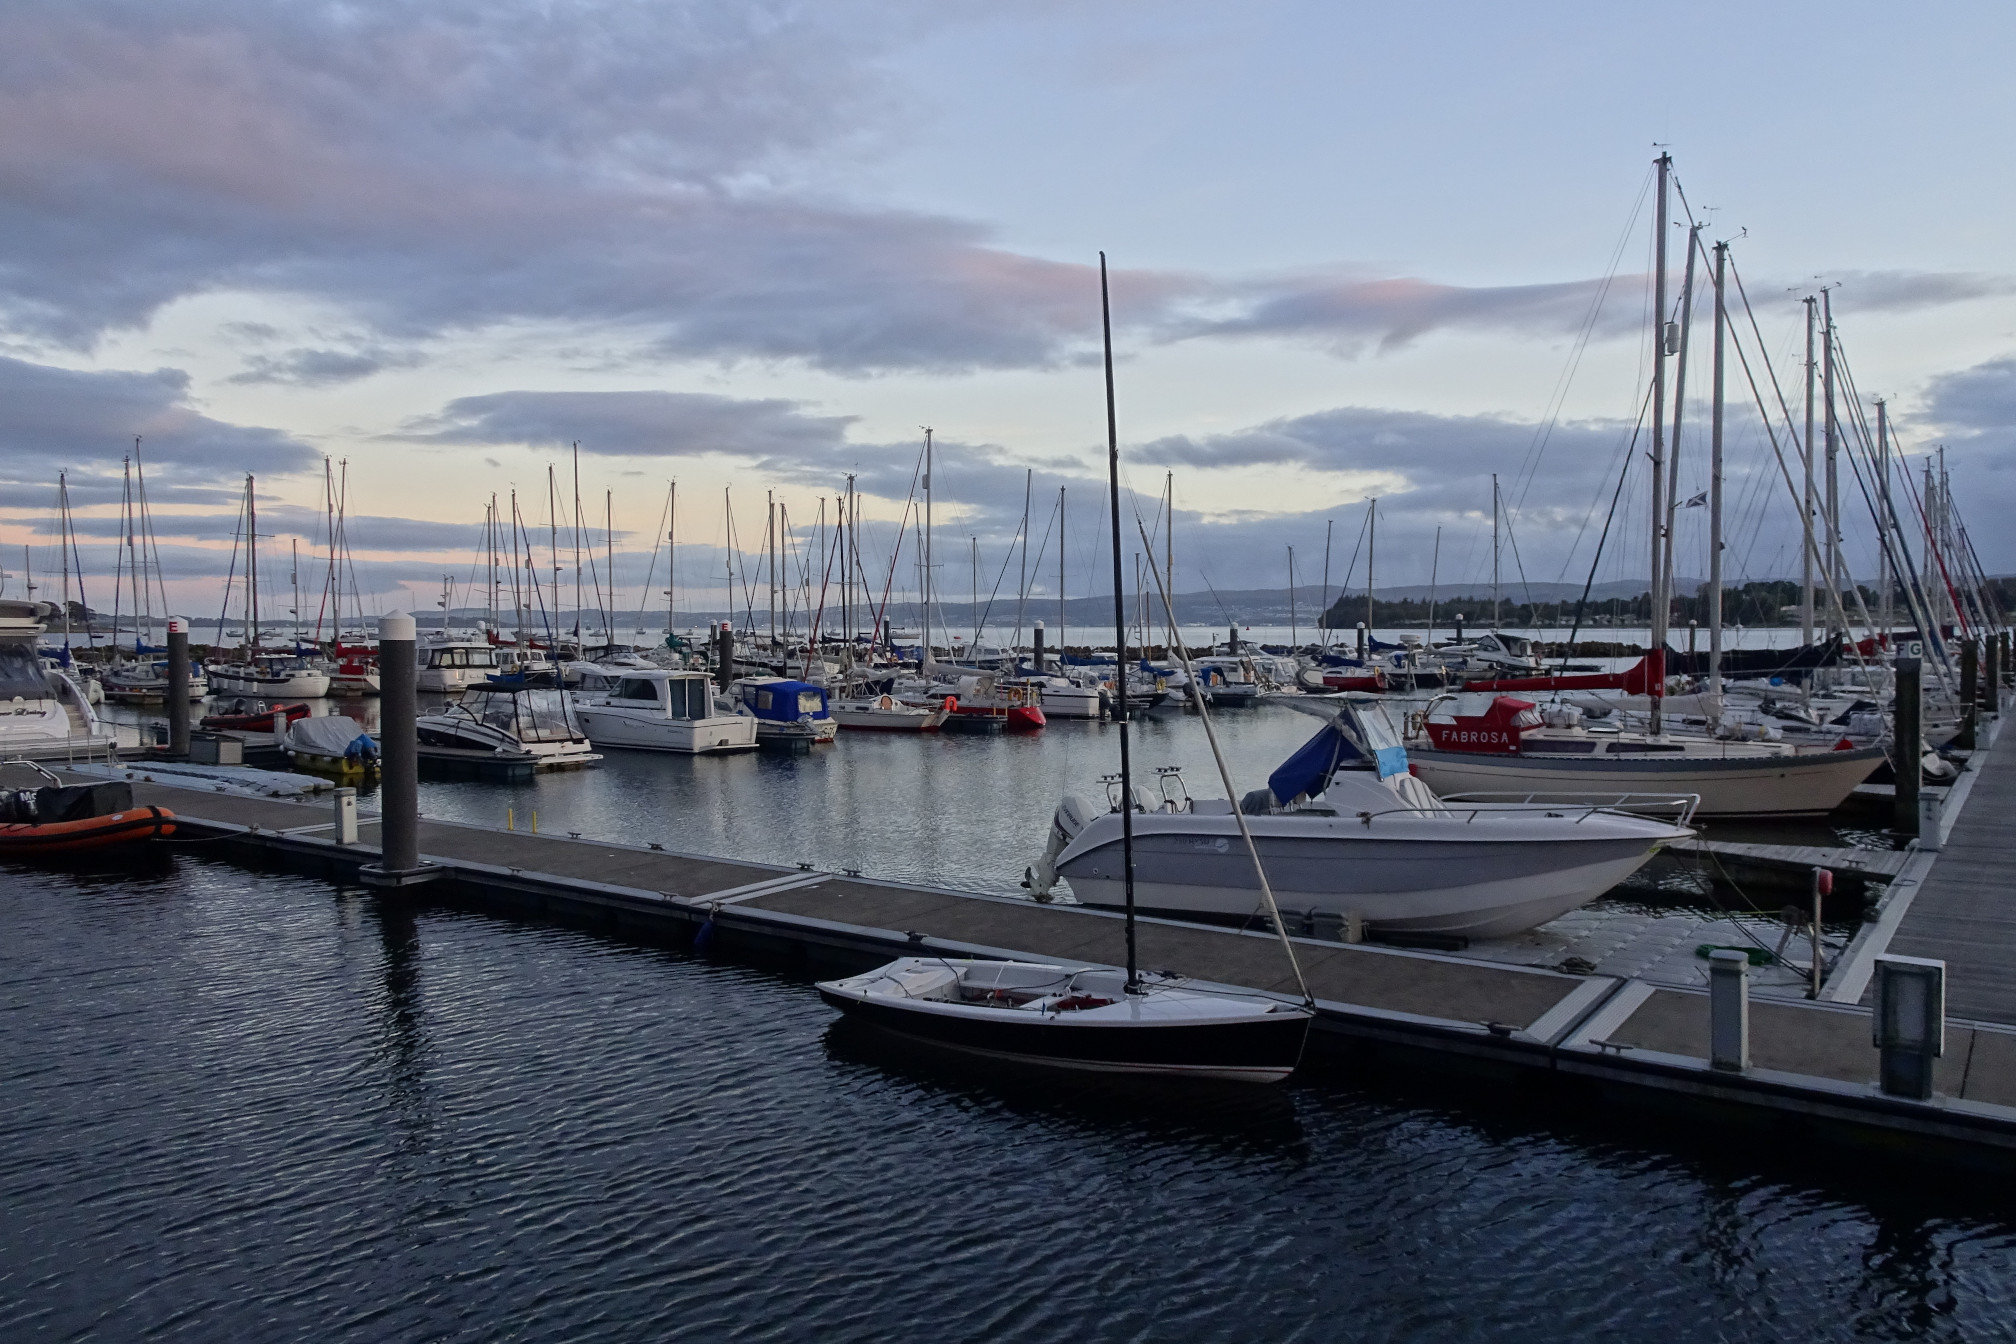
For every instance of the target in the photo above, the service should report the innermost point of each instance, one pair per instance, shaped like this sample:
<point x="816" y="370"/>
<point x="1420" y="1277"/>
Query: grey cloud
<point x="322" y="368"/>
<point x="53" y="418"/>
<point x="637" y="424"/>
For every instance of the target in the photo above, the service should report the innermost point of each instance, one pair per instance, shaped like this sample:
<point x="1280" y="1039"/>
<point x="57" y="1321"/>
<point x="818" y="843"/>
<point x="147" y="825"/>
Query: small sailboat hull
<point x="1167" y="1031"/>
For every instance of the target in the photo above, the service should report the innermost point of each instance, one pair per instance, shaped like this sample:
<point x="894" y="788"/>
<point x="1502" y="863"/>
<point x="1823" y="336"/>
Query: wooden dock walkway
<point x="1640" y="1043"/>
<point x="1964" y="913"/>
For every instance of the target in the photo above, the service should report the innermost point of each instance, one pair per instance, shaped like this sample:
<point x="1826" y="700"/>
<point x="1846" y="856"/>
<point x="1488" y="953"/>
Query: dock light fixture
<point x="1909" y="1023"/>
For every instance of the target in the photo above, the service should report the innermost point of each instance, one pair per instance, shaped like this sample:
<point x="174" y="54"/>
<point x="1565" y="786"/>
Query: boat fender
<point x="703" y="938"/>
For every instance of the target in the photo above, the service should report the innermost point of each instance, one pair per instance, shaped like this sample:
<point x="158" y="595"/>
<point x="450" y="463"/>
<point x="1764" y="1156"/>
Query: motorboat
<point x="450" y="665"/>
<point x="57" y="819"/>
<point x="1017" y="706"/>
<point x="1344" y="829"/>
<point x="333" y="745"/>
<point x="529" y="725"/>
<point x="1082" y="1018"/>
<point x="354" y="672"/>
<point x="1228" y="682"/>
<point x="887" y="714"/>
<point x="1068" y="697"/>
<point x="657" y="710"/>
<point x="1503" y="744"/>
<point x="44" y="713"/>
<point x="274" y="676"/>
<point x="254" y="716"/>
<point x="785" y="711"/>
<point x="145" y="682"/>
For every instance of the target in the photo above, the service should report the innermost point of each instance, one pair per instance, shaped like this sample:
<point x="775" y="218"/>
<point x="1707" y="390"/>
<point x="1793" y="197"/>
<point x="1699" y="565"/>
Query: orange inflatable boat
<point x="34" y="841"/>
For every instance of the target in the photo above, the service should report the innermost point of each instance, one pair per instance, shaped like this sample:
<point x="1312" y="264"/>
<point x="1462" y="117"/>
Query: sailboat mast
<point x="1884" y="520"/>
<point x="1656" y="665"/>
<point x="252" y="563"/>
<point x="1806" y="500"/>
<point x="1715" y="479"/>
<point x="925" y="657"/>
<point x="1371" y="550"/>
<point x="1294" y="627"/>
<point x="1169" y="547"/>
<point x="1060" y="577"/>
<point x="579" y="601"/>
<point x="1022" y="593"/>
<point x="609" y="552"/>
<point x="1496" y="591"/>
<point x="553" y="548"/>
<point x="671" y="556"/>
<point x="1836" y="580"/>
<point x="63" y="545"/>
<point x="1120" y="638"/>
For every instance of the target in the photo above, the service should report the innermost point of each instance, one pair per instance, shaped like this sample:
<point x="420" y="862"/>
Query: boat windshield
<point x="21" y="673"/>
<point x="1387" y="750"/>
<point x="545" y="716"/>
<point x="636" y="688"/>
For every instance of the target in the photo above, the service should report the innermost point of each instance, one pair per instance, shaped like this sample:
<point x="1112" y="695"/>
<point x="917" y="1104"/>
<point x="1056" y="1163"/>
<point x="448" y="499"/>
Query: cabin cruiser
<point x="1506" y="744"/>
<point x="447" y="666"/>
<point x="1016" y="703"/>
<point x="535" y="725"/>
<point x="44" y="714"/>
<point x="1344" y="829"/>
<point x="784" y="710"/>
<point x="657" y="710"/>
<point x="1068" y="697"/>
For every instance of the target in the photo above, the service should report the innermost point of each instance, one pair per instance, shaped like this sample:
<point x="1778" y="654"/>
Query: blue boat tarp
<point x="1351" y="739"/>
<point x="784" y="701"/>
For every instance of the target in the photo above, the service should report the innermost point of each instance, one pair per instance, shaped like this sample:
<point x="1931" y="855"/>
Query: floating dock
<point x="1625" y="1038"/>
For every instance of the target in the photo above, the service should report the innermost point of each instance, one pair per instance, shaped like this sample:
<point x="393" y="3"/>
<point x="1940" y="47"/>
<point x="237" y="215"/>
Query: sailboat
<point x="1505" y="745"/>
<point x="257" y="672"/>
<point x="142" y="679"/>
<point x="1092" y="1018"/>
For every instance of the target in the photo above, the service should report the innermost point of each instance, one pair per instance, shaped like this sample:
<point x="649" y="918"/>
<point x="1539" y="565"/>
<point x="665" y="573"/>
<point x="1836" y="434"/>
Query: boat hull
<point x="1807" y="785"/>
<point x="652" y="731"/>
<point x="75" y="837"/>
<point x="1386" y="872"/>
<point x="1258" y="1049"/>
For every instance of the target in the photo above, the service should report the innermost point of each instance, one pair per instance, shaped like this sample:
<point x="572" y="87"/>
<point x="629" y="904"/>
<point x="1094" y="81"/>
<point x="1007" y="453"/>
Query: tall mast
<point x="1294" y="627"/>
<point x="252" y="562"/>
<point x="1169" y="547"/>
<point x="579" y="603"/>
<point x="1371" y="549"/>
<point x="517" y="593"/>
<point x="1806" y="502"/>
<point x="63" y="545"/>
<point x="1022" y="593"/>
<point x="1434" y="581"/>
<point x="294" y="561"/>
<point x="1657" y="663"/>
<point x="976" y="591"/>
<point x="1835" y="579"/>
<point x="1060" y="577"/>
<point x="1323" y="611"/>
<point x="1883" y="502"/>
<point x="927" y="584"/>
<point x="1679" y="408"/>
<point x="1119" y="638"/>
<point x="770" y="548"/>
<point x="1496" y="591"/>
<point x="1715" y="480"/>
<point x="671" y="556"/>
<point x="609" y="554"/>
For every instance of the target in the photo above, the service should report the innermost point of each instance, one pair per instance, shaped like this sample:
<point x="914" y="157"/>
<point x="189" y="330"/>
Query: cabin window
<point x="545" y="715"/>
<point x="636" y="688"/>
<point x="762" y="699"/>
<point x="482" y="658"/>
<point x="1619" y="748"/>
<point x="810" y="702"/>
<point x="21" y="673"/>
<point x="1561" y="746"/>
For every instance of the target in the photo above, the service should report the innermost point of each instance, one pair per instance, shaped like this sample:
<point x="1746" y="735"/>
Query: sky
<point x="1356" y="251"/>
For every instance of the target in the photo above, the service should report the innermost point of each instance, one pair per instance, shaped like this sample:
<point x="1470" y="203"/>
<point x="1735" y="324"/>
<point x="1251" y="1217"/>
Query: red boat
<point x="1355" y="679"/>
<point x="254" y="720"/>
<point x="1637" y="679"/>
<point x="19" y="841"/>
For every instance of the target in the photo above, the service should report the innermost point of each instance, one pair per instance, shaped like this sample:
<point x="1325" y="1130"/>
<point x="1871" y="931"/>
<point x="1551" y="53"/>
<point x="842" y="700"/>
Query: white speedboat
<point x="1343" y="829"/>
<point x="530" y="725"/>
<point x="1066" y="698"/>
<point x="1505" y="745"/>
<point x="44" y="714"/>
<point x="1083" y="1018"/>
<point x="657" y="710"/>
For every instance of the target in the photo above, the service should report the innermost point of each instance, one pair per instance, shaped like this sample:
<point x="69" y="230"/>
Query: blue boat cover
<point x="1351" y="738"/>
<point x="783" y="699"/>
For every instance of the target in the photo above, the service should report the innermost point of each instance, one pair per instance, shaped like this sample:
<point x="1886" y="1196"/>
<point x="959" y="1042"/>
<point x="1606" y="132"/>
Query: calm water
<point x="260" y="1108"/>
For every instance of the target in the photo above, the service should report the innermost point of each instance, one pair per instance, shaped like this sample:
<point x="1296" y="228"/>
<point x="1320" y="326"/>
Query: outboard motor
<point x="1073" y="815"/>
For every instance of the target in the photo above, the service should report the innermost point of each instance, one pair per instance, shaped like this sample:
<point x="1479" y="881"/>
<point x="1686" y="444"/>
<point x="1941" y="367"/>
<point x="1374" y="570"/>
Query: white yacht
<point x="532" y="725"/>
<point x="657" y="710"/>
<point x="286" y="677"/>
<point x="1344" y="829"/>
<point x="146" y="682"/>
<point x="44" y="714"/>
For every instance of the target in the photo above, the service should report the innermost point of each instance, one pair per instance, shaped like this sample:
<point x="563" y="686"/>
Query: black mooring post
<point x="1970" y="691"/>
<point x="1907" y="747"/>
<point x="178" y="688"/>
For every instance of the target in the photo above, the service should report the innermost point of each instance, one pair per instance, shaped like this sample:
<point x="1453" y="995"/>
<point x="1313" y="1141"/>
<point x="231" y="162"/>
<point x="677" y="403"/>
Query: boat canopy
<point x="21" y="673"/>
<point x="1351" y="740"/>
<point x="531" y="713"/>
<point x="783" y="701"/>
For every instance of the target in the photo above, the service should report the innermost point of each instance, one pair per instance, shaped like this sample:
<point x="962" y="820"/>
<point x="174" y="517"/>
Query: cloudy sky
<point x="1358" y="250"/>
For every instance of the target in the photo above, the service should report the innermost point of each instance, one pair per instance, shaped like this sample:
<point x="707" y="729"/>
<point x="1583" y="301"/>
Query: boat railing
<point x="1681" y="805"/>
